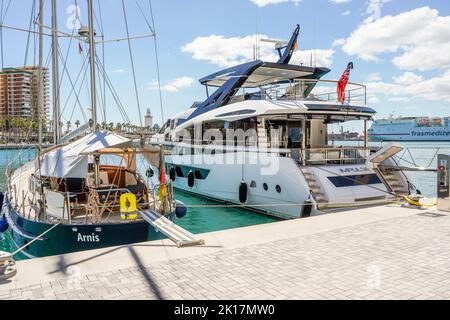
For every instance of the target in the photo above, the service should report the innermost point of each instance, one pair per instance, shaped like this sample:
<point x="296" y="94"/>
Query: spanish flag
<point x="162" y="184"/>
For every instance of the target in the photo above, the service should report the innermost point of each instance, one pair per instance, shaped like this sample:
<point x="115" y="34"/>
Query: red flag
<point x="162" y="183"/>
<point x="80" y="48"/>
<point x="342" y="84"/>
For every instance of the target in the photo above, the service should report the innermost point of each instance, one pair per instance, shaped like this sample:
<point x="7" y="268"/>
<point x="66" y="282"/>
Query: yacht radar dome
<point x="84" y="31"/>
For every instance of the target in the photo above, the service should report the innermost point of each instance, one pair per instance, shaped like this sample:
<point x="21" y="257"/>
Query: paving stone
<point x="402" y="258"/>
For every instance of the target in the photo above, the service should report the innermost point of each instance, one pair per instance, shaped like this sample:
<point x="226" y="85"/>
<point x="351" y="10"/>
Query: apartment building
<point x="19" y="93"/>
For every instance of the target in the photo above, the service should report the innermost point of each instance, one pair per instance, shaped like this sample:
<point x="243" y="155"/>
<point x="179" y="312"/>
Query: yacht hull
<point x="278" y="186"/>
<point x="69" y="238"/>
<point x="275" y="185"/>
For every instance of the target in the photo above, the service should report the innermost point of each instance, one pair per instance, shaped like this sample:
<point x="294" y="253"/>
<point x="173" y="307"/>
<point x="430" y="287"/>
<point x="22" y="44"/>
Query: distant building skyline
<point x="19" y="93"/>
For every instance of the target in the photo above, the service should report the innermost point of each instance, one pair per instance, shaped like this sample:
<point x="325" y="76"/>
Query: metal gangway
<point x="177" y="234"/>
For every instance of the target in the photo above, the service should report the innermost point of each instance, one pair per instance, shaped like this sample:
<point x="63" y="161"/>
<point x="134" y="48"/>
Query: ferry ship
<point x="410" y="129"/>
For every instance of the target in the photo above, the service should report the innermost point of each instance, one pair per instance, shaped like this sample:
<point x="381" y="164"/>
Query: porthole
<point x="179" y="172"/>
<point x="265" y="186"/>
<point x="278" y="188"/>
<point x="253" y="184"/>
<point x="198" y="175"/>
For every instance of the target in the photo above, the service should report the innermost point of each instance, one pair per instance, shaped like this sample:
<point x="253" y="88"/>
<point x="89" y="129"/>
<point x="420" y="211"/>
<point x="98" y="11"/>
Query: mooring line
<point x="35" y="239"/>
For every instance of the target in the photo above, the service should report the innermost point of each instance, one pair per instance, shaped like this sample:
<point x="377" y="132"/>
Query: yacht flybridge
<point x="260" y="140"/>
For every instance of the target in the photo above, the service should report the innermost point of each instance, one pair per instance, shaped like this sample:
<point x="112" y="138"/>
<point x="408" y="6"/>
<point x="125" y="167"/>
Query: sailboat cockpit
<point x="88" y="178"/>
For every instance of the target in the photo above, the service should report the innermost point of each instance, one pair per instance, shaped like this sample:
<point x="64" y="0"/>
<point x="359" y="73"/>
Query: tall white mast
<point x="56" y="89"/>
<point x="92" y="62"/>
<point x="40" y="104"/>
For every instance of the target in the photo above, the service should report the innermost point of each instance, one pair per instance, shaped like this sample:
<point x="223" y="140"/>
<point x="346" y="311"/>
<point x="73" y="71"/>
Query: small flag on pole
<point x="162" y="182"/>
<point x="342" y="84"/>
<point x="80" y="48"/>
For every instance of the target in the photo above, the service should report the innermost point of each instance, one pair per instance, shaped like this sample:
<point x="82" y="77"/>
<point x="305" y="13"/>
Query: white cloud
<point x="409" y="86"/>
<point x="263" y="3"/>
<point x="419" y="39"/>
<point x="226" y="52"/>
<point x="346" y="13"/>
<point x="319" y="57"/>
<point x="174" y="85"/>
<point x="399" y="99"/>
<point x="374" y="77"/>
<point x="408" y="78"/>
<point x="339" y="1"/>
<point x="339" y="42"/>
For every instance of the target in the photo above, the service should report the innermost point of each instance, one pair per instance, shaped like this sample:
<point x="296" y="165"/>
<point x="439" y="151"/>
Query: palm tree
<point x="77" y="123"/>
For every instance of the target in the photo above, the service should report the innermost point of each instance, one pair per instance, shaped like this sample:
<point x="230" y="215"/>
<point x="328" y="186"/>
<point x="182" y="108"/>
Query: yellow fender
<point x="128" y="206"/>
<point x="418" y="204"/>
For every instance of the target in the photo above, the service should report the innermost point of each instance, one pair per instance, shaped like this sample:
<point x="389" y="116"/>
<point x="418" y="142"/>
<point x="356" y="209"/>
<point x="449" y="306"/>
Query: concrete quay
<point x="389" y="252"/>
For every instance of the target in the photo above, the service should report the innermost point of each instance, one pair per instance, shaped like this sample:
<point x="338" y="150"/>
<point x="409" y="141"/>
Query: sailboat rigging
<point x="87" y="188"/>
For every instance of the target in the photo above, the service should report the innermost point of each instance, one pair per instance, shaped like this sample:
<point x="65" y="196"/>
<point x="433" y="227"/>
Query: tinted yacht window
<point x="352" y="181"/>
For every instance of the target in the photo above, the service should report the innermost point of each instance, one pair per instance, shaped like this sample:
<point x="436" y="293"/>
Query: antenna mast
<point x="92" y="63"/>
<point x="56" y="96"/>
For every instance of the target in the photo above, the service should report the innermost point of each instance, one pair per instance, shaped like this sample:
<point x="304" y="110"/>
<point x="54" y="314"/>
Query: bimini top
<point x="265" y="73"/>
<point x="71" y="160"/>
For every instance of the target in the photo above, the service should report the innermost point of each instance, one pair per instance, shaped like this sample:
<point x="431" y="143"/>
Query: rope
<point x="65" y="71"/>
<point x="132" y="63"/>
<point x="157" y="65"/>
<point x="2" y="19"/>
<point x="113" y="91"/>
<point x="417" y="203"/>
<point x="35" y="239"/>
<point x="83" y="68"/>
<point x="333" y="204"/>
<point x="33" y="9"/>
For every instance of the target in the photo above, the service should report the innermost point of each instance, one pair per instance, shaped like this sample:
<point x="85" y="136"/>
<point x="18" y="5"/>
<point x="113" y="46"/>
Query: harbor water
<point x="211" y="218"/>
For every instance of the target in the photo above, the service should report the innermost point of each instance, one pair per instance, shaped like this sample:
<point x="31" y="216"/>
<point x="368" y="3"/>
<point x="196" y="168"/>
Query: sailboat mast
<point x="40" y="104"/>
<point x="92" y="62"/>
<point x="56" y="95"/>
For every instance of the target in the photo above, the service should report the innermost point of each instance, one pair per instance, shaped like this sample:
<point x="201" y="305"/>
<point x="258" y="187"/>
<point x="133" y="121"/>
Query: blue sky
<point x="400" y="48"/>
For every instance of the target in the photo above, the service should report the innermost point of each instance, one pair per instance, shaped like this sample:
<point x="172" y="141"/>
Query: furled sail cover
<point x="71" y="161"/>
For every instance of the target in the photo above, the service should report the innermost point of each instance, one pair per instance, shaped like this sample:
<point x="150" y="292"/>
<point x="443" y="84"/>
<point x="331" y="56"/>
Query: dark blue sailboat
<point x="70" y="198"/>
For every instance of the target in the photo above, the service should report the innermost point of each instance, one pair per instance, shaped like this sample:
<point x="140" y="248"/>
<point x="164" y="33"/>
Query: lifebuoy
<point x="243" y="192"/>
<point x="191" y="179"/>
<point x="172" y="174"/>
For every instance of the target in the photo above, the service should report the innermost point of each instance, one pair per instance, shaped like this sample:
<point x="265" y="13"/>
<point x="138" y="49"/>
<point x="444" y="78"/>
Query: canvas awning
<point x="71" y="161"/>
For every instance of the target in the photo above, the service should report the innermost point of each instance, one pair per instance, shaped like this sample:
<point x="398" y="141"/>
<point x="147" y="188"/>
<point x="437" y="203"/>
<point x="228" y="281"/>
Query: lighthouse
<point x="148" y="119"/>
